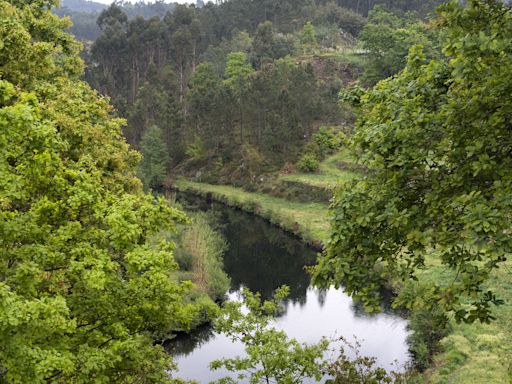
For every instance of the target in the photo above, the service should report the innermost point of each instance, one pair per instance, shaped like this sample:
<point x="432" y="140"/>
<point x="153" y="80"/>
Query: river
<point x="262" y="258"/>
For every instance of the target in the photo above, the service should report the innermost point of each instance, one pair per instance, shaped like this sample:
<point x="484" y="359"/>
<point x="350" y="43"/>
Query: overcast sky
<point x="149" y="1"/>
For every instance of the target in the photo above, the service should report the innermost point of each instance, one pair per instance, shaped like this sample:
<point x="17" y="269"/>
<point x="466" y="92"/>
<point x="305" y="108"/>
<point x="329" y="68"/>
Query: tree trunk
<point x="182" y="81"/>
<point x="194" y="48"/>
<point x="241" y="125"/>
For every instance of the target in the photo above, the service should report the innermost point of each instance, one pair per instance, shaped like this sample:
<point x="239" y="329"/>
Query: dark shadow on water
<point x="260" y="257"/>
<point x="185" y="343"/>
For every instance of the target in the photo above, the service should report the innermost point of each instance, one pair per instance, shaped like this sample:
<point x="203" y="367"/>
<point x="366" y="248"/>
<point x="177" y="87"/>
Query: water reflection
<point x="260" y="256"/>
<point x="263" y="258"/>
<point x="184" y="344"/>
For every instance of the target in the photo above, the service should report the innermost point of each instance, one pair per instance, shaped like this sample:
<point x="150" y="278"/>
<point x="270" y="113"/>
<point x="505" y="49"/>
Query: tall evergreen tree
<point x="155" y="159"/>
<point x="236" y="77"/>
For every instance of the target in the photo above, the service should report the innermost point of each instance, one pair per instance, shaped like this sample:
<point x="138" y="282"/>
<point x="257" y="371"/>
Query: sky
<point x="148" y="1"/>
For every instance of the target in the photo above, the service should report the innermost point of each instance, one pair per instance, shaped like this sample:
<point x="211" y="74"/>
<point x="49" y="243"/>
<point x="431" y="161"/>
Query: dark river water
<point x="262" y="258"/>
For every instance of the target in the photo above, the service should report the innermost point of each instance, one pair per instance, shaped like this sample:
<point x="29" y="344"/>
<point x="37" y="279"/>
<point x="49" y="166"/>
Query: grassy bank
<point x="477" y="353"/>
<point x="333" y="170"/>
<point x="471" y="354"/>
<point x="306" y="220"/>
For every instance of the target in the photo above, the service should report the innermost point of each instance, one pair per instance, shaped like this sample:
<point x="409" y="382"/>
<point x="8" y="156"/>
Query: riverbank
<point x="308" y="221"/>
<point x="472" y="353"/>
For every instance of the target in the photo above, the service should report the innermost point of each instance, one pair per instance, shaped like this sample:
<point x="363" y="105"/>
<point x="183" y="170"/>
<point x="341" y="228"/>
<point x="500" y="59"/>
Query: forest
<point x="377" y="133"/>
<point x="239" y="89"/>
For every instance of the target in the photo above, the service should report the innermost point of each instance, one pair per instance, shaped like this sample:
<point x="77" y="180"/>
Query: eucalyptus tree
<point x="237" y="80"/>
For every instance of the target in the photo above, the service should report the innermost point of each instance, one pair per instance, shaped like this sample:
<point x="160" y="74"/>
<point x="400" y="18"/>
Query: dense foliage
<point x="226" y="16"/>
<point x="436" y="140"/>
<point x="387" y="37"/>
<point x="225" y="93"/>
<point x="238" y="88"/>
<point x="235" y="99"/>
<point x="83" y="289"/>
<point x="155" y="159"/>
<point x="84" y="13"/>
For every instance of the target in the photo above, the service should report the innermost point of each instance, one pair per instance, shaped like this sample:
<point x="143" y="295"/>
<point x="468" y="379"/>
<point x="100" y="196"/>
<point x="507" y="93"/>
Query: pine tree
<point x="155" y="159"/>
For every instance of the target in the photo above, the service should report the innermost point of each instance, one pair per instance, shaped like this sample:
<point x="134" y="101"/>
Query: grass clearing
<point x="333" y="170"/>
<point x="478" y="353"/>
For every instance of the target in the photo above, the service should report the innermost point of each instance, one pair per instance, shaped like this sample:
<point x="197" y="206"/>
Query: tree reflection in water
<point x="262" y="258"/>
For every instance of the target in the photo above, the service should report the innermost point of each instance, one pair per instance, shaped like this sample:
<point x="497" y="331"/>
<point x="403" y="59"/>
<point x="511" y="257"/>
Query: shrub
<point x="428" y="322"/>
<point x="428" y="326"/>
<point x="308" y="163"/>
<point x="328" y="141"/>
<point x="200" y="251"/>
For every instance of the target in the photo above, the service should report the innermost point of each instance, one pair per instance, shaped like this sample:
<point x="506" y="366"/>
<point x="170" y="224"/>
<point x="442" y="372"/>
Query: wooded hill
<point x="237" y="90"/>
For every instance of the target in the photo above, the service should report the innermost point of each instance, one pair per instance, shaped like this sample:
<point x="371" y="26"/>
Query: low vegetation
<point x="199" y="251"/>
<point x="306" y="220"/>
<point x="337" y="168"/>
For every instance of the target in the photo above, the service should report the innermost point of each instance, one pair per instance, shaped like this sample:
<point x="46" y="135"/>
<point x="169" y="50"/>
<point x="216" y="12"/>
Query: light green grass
<point x="318" y="180"/>
<point x="478" y="353"/>
<point x="307" y="220"/>
<point x="329" y="174"/>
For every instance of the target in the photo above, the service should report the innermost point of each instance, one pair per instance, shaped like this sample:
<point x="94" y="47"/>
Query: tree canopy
<point x="269" y="104"/>
<point x="83" y="289"/>
<point x="436" y="142"/>
<point x="387" y="37"/>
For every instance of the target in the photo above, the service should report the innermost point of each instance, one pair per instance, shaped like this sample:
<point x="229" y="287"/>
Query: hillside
<point x="84" y="14"/>
<point x="84" y="6"/>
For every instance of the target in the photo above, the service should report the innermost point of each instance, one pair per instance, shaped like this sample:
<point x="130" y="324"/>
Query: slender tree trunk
<point x="132" y="92"/>
<point x="241" y="125"/>
<point x="135" y="80"/>
<point x="259" y="129"/>
<point x="182" y="81"/>
<point x="194" y="49"/>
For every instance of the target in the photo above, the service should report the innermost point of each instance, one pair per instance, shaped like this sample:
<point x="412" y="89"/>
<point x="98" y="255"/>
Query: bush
<point x="205" y="310"/>
<point x="428" y="322"/>
<point x="428" y="326"/>
<point x="308" y="163"/>
<point x="328" y="141"/>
